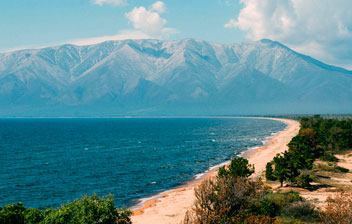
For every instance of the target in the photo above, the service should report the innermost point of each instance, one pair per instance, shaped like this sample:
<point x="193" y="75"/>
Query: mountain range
<point x="181" y="77"/>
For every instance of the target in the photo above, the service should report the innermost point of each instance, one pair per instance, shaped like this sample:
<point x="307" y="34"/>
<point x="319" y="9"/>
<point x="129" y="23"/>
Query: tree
<point x="90" y="209"/>
<point x="280" y="171"/>
<point x="223" y="199"/>
<point x="269" y="172"/>
<point x="239" y="167"/>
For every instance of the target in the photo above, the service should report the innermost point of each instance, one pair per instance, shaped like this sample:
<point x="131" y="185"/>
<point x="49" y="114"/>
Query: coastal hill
<point x="182" y="77"/>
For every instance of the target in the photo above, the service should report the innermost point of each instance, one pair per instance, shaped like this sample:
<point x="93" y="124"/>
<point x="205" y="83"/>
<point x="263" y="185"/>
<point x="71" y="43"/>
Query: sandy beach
<point x="170" y="207"/>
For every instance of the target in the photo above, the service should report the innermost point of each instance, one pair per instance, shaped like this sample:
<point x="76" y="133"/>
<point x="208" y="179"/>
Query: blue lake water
<point x="47" y="162"/>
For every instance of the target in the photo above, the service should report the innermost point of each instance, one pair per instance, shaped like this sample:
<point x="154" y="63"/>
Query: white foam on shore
<point x="209" y="170"/>
<point x="200" y="176"/>
<point x="197" y="177"/>
<point x="144" y="200"/>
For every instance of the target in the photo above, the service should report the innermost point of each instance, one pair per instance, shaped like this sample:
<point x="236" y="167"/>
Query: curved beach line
<point x="171" y="206"/>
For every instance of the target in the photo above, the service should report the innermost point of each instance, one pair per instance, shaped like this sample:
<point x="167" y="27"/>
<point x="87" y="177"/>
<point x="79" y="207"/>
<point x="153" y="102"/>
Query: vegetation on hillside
<point x="232" y="197"/>
<point x="317" y="138"/>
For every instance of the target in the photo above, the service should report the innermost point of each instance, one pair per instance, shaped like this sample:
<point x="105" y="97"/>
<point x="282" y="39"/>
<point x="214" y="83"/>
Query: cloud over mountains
<point x="147" y="23"/>
<point x="321" y="28"/>
<point x="110" y="2"/>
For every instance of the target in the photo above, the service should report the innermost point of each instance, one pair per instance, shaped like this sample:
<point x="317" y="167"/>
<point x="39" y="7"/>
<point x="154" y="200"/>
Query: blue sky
<point x="319" y="28"/>
<point x="33" y="23"/>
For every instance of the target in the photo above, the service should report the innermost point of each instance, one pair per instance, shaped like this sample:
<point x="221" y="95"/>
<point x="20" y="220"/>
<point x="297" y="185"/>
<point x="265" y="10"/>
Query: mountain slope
<point x="153" y="77"/>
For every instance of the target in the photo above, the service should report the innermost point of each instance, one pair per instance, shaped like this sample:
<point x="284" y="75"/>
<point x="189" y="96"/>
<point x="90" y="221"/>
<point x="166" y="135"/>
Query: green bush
<point x="90" y="209"/>
<point x="239" y="167"/>
<point x="302" y="210"/>
<point x="329" y="157"/>
<point x="33" y="216"/>
<point x="85" y="210"/>
<point x="264" y="208"/>
<point x="304" y="178"/>
<point x="332" y="168"/>
<point x="222" y="200"/>
<point x="282" y="199"/>
<point x="124" y="216"/>
<point x="271" y="203"/>
<point x="342" y="169"/>
<point x="12" y="214"/>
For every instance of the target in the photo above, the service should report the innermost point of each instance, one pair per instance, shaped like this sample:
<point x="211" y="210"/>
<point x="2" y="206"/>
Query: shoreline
<point x="171" y="205"/>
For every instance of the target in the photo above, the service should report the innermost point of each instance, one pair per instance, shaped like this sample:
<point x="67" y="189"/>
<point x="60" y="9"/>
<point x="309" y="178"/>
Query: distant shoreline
<point x="170" y="206"/>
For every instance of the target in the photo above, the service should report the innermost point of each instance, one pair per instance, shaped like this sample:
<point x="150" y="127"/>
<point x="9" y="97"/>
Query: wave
<point x="202" y="175"/>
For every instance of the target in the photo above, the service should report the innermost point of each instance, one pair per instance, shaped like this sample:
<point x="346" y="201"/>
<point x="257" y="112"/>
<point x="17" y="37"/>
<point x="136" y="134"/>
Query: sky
<point x="318" y="28"/>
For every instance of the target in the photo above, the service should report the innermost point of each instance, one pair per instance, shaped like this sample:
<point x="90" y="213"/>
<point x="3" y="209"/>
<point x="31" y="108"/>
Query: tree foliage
<point x="224" y="199"/>
<point x="231" y="198"/>
<point x="269" y="171"/>
<point x="92" y="209"/>
<point x="317" y="138"/>
<point x="239" y="167"/>
<point x="240" y="200"/>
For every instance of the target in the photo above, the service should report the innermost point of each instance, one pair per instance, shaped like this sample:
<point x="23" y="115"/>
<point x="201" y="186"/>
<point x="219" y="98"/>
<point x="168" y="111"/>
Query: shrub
<point x="304" y="178"/>
<point x="222" y="200"/>
<point x="264" y="208"/>
<point x="300" y="210"/>
<point x="85" y="210"/>
<point x="239" y="167"/>
<point x="338" y="209"/>
<point x="329" y="157"/>
<point x="33" y="216"/>
<point x="282" y="199"/>
<point x="342" y="169"/>
<point x="332" y="168"/>
<point x="256" y="219"/>
<point x="12" y="214"/>
<point x="124" y="216"/>
<point x="271" y="203"/>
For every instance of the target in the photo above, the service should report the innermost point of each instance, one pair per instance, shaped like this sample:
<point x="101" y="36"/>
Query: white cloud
<point x="110" y="2"/>
<point x="158" y="7"/>
<point x="231" y="24"/>
<point x="149" y="21"/>
<point x="147" y="24"/>
<point x="122" y="35"/>
<point x="320" y="28"/>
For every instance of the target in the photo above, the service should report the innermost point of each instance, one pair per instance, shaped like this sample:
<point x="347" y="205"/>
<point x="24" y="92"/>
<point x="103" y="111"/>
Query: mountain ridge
<point x="186" y="76"/>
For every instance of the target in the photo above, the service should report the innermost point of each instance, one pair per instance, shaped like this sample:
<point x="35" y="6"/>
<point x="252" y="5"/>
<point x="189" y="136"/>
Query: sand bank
<point x="170" y="207"/>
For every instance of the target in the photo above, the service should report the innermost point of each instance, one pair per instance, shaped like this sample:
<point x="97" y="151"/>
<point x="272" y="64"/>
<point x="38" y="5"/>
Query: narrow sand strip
<point x="171" y="207"/>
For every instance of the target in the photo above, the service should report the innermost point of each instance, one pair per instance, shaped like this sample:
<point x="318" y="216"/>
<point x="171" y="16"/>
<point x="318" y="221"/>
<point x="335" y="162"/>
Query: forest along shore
<point x="171" y="207"/>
